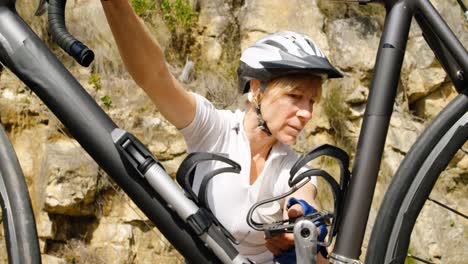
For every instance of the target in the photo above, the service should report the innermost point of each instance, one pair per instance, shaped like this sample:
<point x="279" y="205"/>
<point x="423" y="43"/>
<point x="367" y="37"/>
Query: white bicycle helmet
<point x="281" y="54"/>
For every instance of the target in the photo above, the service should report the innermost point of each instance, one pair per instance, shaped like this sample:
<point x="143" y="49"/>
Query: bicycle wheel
<point x="17" y="215"/>
<point x="412" y="184"/>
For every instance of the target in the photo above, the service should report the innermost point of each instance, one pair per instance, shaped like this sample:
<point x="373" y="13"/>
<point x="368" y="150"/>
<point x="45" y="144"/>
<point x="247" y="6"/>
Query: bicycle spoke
<point x="419" y="259"/>
<point x="448" y="208"/>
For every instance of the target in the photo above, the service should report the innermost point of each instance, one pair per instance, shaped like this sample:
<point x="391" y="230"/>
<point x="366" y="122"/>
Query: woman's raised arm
<point x="144" y="60"/>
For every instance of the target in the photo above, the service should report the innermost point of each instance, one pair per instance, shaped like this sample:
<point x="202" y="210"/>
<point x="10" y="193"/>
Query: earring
<point x="250" y="97"/>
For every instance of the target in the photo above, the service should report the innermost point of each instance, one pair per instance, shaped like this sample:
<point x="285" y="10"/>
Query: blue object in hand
<point x="289" y="256"/>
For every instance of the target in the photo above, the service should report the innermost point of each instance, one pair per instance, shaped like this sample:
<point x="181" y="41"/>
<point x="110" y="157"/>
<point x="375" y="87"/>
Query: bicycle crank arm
<point x="305" y="242"/>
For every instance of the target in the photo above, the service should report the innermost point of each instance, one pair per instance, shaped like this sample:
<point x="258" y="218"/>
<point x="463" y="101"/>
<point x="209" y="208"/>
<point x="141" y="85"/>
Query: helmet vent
<point x="276" y="44"/>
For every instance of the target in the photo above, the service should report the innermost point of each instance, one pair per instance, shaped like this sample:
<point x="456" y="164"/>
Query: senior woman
<point x="283" y="75"/>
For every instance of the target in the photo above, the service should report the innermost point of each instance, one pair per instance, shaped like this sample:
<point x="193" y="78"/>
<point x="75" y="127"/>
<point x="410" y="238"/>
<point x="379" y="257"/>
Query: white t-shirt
<point x="230" y="195"/>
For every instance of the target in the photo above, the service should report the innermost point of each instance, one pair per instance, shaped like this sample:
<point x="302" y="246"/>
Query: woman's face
<point x="286" y="115"/>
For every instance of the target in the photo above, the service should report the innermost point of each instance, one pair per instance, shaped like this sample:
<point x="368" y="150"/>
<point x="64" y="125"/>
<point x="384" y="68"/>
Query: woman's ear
<point x="255" y="90"/>
<point x="254" y="87"/>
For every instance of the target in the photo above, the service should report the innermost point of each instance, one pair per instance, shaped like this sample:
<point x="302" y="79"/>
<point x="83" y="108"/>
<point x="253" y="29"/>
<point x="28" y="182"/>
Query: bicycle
<point x="182" y="216"/>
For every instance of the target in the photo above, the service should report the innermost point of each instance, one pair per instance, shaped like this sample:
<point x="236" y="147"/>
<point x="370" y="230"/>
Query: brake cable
<point x="463" y="7"/>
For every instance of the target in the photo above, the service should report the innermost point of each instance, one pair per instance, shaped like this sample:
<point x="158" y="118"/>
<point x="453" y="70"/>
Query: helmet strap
<point x="261" y="122"/>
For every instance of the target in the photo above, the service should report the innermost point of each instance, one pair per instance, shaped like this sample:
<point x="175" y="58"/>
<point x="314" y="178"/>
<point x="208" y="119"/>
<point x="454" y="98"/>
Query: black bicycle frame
<point x="454" y="59"/>
<point x="28" y="58"/>
<point x="25" y="54"/>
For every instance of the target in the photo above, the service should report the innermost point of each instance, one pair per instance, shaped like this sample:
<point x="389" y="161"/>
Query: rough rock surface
<point x="81" y="216"/>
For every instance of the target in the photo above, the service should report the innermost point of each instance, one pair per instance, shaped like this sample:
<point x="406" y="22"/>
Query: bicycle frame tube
<point x="380" y="104"/>
<point x="452" y="63"/>
<point x="9" y="3"/>
<point x="25" y="55"/>
<point x="374" y="130"/>
<point x="438" y="25"/>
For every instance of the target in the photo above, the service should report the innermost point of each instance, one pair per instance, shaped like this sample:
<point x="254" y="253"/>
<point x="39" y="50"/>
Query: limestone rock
<point x="463" y="164"/>
<point x="44" y="225"/>
<point x="429" y="230"/>
<point x="354" y="43"/>
<point x="429" y="106"/>
<point x="453" y="15"/>
<point x="29" y="146"/>
<point x="420" y="55"/>
<point x="157" y="148"/>
<point x="120" y="206"/>
<point x="49" y="259"/>
<point x="356" y="111"/>
<point x="423" y="81"/>
<point x="403" y="132"/>
<point x="42" y="245"/>
<point x="358" y="96"/>
<point x="17" y="107"/>
<point x="3" y="252"/>
<point x="350" y="37"/>
<point x="177" y="146"/>
<point x="171" y="166"/>
<point x="214" y="18"/>
<point x="72" y="179"/>
<point x="112" y="242"/>
<point x="319" y="120"/>
<point x="261" y="17"/>
<point x="151" y="247"/>
<point x="212" y="50"/>
<point x="390" y="162"/>
<point x="147" y="245"/>
<point x="319" y="139"/>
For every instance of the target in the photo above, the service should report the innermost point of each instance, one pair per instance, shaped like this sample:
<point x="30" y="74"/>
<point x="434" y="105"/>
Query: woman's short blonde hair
<point x="289" y="83"/>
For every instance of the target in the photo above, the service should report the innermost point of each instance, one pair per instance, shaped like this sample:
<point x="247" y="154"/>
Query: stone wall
<point x="83" y="217"/>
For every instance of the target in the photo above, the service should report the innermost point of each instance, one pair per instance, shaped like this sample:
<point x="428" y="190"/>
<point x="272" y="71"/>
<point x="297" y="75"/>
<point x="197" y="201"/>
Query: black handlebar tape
<point x="82" y="54"/>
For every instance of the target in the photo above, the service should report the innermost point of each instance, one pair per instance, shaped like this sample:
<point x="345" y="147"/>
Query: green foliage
<point x="371" y="9"/>
<point x="178" y="14"/>
<point x="452" y="223"/>
<point x="106" y="100"/>
<point x="95" y="80"/>
<point x="180" y="19"/>
<point x="408" y="259"/>
<point x="143" y="7"/>
<point x="337" y="110"/>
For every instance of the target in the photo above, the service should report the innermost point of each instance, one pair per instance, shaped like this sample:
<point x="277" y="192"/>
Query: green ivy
<point x="143" y="7"/>
<point x="95" y="80"/>
<point x="180" y="18"/>
<point x="178" y="14"/>
<point x="106" y="100"/>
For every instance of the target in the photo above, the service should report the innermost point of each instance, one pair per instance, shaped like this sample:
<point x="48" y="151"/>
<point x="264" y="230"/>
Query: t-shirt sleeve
<point x="207" y="127"/>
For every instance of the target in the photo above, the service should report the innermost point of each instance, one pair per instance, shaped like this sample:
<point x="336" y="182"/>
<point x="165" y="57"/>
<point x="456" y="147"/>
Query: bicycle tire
<point x="414" y="180"/>
<point x="18" y="218"/>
